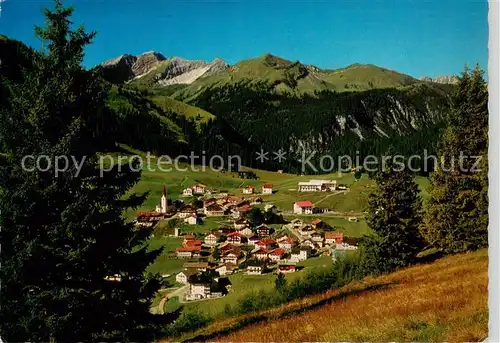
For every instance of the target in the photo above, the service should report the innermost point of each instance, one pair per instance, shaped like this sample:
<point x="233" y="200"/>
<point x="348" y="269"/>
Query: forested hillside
<point x="349" y="123"/>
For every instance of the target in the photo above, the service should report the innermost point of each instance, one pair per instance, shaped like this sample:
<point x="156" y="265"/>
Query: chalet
<point x="348" y="243"/>
<point x="247" y="232"/>
<point x="199" y="189"/>
<point x="317" y="186"/>
<point x="149" y="219"/>
<point x="243" y="210"/>
<point x="193" y="220"/>
<point x="271" y="208"/>
<point x="230" y="257"/>
<point x="226" y="247"/>
<point x="255" y="268"/>
<point x="267" y="189"/>
<point x="253" y="240"/>
<point x="332" y="238"/>
<point x="300" y="254"/>
<point x="188" y="251"/>
<point x="186" y="211"/>
<point x="308" y="243"/>
<point x="342" y="187"/>
<point x="261" y="254"/>
<point x="212" y="238"/>
<point x="234" y="238"/>
<point x="208" y="202"/>
<point x="303" y="207"/>
<point x="353" y="219"/>
<point x="226" y="269"/>
<point x="206" y="287"/>
<point x="187" y="192"/>
<point x="286" y="243"/>
<point x="214" y="210"/>
<point x="277" y="254"/>
<point x="317" y="238"/>
<point x="241" y="224"/>
<point x="248" y="190"/>
<point x="263" y="230"/>
<point x="306" y="230"/>
<point x="199" y="287"/>
<point x="266" y="243"/>
<point x="286" y="268"/>
<point x="297" y="223"/>
<point x="183" y="276"/>
<point x="316" y="223"/>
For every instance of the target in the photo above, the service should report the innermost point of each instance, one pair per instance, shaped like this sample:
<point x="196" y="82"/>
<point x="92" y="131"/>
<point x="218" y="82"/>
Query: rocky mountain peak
<point x="445" y="79"/>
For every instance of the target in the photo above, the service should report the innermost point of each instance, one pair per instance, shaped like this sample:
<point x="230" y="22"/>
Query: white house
<point x="193" y="220"/>
<point x="241" y="224"/>
<point x="186" y="211"/>
<point x="199" y="291"/>
<point x="286" y="243"/>
<point x="230" y="257"/>
<point x="303" y="207"/>
<point x="187" y="192"/>
<point x="248" y="190"/>
<point x="267" y="189"/>
<point x="183" y="276"/>
<point x="212" y="238"/>
<point x="317" y="186"/>
<point x="199" y="189"/>
<point x="225" y="269"/>
<point x="332" y="238"/>
<point x="306" y="231"/>
<point x="276" y="255"/>
<point x="255" y="270"/>
<point x="261" y="254"/>
<point x="300" y="254"/>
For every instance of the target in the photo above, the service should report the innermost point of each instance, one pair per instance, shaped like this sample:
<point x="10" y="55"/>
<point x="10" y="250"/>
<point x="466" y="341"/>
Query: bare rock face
<point x="446" y="79"/>
<point x="147" y="62"/>
<point x="163" y="71"/>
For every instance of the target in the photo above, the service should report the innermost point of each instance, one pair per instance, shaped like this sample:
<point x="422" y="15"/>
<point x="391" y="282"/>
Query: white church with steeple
<point x="162" y="207"/>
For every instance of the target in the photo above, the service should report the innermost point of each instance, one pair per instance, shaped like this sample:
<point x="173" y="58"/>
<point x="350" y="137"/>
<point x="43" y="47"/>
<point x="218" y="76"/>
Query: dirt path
<point x="179" y="292"/>
<point x="329" y="195"/>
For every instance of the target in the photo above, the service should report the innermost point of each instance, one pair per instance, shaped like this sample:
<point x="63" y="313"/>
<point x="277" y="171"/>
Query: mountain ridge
<point x="286" y="75"/>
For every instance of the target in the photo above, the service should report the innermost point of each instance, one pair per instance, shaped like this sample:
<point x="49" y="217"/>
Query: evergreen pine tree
<point x="280" y="283"/>
<point x="456" y="218"/>
<point x="394" y="215"/>
<point x="63" y="234"/>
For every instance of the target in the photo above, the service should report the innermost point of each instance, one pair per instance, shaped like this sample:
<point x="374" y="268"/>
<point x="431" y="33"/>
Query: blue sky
<point x="415" y="37"/>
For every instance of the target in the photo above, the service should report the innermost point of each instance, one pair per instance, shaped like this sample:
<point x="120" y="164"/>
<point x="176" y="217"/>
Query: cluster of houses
<point x="254" y="251"/>
<point x="220" y="204"/>
<point x="204" y="280"/>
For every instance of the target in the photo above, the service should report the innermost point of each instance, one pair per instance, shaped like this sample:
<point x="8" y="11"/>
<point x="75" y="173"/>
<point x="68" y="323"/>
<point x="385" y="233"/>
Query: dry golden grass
<point x="443" y="301"/>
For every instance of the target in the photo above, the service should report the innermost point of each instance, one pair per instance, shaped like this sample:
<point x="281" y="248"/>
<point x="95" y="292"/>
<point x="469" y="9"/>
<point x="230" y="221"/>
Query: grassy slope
<point x="182" y="108"/>
<point x="443" y="301"/>
<point x="272" y="69"/>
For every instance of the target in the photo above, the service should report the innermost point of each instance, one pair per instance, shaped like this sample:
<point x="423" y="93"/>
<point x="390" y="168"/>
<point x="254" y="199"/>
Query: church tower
<point x="163" y="202"/>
